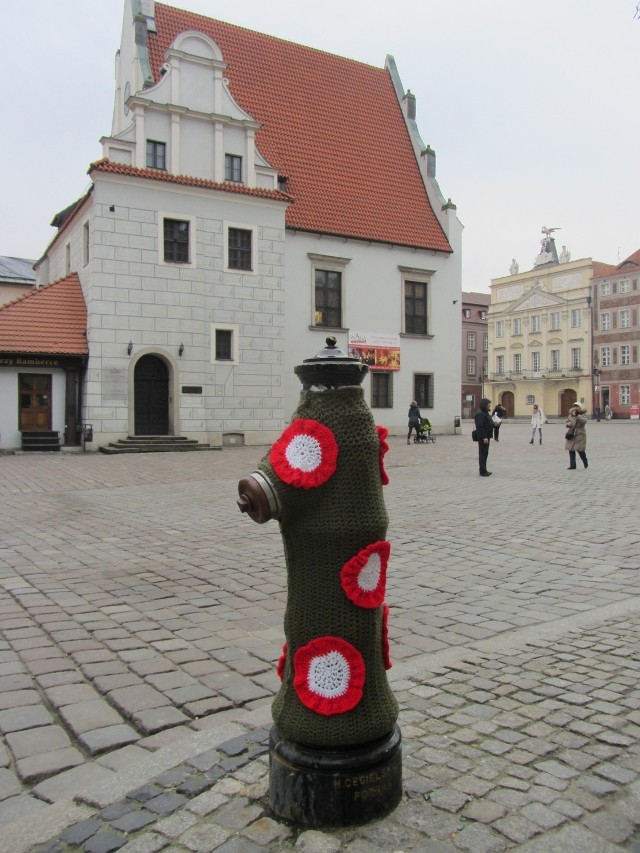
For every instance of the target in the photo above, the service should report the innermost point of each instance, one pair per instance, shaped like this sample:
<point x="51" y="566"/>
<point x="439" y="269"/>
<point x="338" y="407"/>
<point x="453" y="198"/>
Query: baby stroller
<point x="424" y="435"/>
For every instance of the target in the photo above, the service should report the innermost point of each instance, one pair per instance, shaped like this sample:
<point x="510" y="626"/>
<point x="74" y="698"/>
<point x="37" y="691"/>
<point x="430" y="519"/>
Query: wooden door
<point x="35" y="402"/>
<point x="567" y="399"/>
<point x="507" y="402"/>
<point x="151" y="396"/>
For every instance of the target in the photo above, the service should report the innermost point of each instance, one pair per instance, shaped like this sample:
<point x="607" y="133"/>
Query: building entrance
<point x="151" y="396"/>
<point x="35" y="402"/>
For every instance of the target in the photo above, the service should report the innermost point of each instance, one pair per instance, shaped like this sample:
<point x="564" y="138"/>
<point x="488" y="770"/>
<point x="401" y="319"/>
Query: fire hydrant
<point x="335" y="747"/>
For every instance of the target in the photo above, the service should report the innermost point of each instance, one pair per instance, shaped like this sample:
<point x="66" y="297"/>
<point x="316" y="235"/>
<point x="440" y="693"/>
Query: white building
<point x="254" y="197"/>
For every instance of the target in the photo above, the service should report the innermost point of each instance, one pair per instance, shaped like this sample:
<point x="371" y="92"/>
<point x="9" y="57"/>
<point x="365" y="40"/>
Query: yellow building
<point x="540" y="329"/>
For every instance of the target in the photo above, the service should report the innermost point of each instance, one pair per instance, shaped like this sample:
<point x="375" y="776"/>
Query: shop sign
<point x="30" y="361"/>
<point x="380" y="352"/>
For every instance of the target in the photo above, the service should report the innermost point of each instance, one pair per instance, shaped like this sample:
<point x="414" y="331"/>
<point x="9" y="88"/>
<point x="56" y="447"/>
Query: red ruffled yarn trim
<point x="364" y="577"/>
<point x="386" y="656"/>
<point x="281" y="662"/>
<point x="383" y="432"/>
<point x="329" y="675"/>
<point x="305" y="455"/>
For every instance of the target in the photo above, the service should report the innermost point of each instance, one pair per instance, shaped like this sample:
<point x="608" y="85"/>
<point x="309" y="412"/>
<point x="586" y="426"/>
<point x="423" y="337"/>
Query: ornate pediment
<point x="536" y="297"/>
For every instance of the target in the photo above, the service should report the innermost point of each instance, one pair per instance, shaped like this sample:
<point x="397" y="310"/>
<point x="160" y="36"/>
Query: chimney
<point x="409" y="104"/>
<point x="430" y="155"/>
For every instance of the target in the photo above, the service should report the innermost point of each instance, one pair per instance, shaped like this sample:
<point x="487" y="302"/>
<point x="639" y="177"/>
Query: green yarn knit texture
<point x="322" y="528"/>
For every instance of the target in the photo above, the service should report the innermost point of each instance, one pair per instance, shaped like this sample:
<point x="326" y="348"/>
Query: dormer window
<point x="467" y="313"/>
<point x="156" y="155"/>
<point x="233" y="168"/>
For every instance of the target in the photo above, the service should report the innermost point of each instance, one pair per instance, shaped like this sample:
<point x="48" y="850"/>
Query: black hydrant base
<point x="334" y="788"/>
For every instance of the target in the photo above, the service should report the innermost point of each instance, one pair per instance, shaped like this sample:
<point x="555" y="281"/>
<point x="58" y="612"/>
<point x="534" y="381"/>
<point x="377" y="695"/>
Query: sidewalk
<point x="141" y="617"/>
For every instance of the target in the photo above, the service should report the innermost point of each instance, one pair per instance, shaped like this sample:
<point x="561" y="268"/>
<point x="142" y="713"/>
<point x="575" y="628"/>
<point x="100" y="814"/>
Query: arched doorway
<point x="507" y="403"/>
<point x="151" y="396"/>
<point x="567" y="399"/>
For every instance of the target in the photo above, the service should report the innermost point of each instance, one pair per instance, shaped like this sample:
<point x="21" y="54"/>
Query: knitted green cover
<point x="324" y="527"/>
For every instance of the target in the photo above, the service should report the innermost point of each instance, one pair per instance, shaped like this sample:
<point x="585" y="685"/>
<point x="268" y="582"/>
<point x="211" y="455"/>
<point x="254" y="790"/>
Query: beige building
<point x="540" y="331"/>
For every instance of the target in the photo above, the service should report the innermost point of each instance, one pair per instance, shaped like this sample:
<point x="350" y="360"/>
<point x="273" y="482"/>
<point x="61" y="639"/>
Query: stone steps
<point x="46" y="440"/>
<point x="155" y="444"/>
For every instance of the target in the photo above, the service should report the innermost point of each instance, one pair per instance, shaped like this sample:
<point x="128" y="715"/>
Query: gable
<point x="331" y="125"/>
<point x="535" y="298"/>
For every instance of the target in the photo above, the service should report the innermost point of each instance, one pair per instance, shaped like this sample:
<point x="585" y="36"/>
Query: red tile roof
<point x="160" y="175"/>
<point x="331" y="125"/>
<point x="601" y="270"/>
<point x="632" y="261"/>
<point x="50" y="319"/>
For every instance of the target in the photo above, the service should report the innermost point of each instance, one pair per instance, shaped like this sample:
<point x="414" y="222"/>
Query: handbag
<point x="474" y="435"/>
<point x="570" y="433"/>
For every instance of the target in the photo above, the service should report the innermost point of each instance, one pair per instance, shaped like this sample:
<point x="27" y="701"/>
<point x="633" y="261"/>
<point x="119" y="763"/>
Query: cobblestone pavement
<point x="141" y="616"/>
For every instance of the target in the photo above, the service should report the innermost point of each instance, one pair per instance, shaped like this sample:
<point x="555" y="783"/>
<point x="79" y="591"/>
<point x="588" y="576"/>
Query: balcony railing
<point x="517" y="375"/>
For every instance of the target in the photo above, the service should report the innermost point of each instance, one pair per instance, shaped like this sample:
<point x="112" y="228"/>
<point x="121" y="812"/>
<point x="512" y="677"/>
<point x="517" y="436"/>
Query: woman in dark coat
<point x="414" y="421"/>
<point x="578" y="444"/>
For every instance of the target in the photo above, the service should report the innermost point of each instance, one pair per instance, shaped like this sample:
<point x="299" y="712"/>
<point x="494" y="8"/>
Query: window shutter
<point x="614" y="285"/>
<point x="615" y="355"/>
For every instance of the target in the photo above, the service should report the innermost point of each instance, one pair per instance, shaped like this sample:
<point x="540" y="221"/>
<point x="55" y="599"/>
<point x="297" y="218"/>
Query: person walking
<point x="576" y="436"/>
<point x="484" y="431"/>
<point x="414" y="421"/>
<point x="537" y="419"/>
<point x="498" y="415"/>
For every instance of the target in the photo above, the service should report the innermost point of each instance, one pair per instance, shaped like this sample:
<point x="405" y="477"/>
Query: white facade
<point x="115" y="241"/>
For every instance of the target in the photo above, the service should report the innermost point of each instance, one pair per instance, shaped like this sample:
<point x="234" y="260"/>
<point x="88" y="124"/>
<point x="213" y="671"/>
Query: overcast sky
<point x="531" y="107"/>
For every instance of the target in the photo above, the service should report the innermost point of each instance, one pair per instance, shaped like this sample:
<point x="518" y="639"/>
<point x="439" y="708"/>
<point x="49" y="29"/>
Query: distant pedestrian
<point x="607" y="413"/>
<point x="576" y="443"/>
<point x="498" y="415"/>
<point x="484" y="431"/>
<point x="537" y="419"/>
<point x="414" y="421"/>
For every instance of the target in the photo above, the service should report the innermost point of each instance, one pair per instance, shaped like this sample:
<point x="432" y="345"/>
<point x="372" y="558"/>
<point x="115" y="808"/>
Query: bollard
<point x="335" y="755"/>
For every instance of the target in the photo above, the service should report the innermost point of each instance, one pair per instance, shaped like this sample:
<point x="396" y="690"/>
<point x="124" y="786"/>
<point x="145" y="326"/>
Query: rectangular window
<point x="605" y="288"/>
<point x="625" y="319"/>
<point x="605" y="356"/>
<point x="517" y="326"/>
<point x="576" y="318"/>
<point x="517" y="363"/>
<point x="625" y="286"/>
<point x="381" y="390"/>
<point x="554" y="320"/>
<point x="500" y="329"/>
<point x="67" y="259"/>
<point x="575" y="357"/>
<point x="625" y="395"/>
<point x="535" y="362"/>
<point x="423" y="390"/>
<point x="471" y="365"/>
<point x="471" y="340"/>
<point x="86" y="246"/>
<point x="415" y="308"/>
<point x="625" y="354"/>
<point x="483" y="315"/>
<point x="555" y="359"/>
<point x="225" y="341"/>
<point x="328" y="299"/>
<point x="535" y="323"/>
<point x="240" y="249"/>
<point x="466" y="313"/>
<point x="156" y="155"/>
<point x="605" y="321"/>
<point x="224" y="345"/>
<point x="485" y="342"/>
<point x="233" y="168"/>
<point x="499" y="364"/>
<point x="176" y="241"/>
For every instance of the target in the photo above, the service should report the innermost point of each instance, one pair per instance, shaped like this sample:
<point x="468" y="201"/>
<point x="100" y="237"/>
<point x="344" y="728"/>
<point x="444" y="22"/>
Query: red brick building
<point x="616" y="337"/>
<point x="475" y="350"/>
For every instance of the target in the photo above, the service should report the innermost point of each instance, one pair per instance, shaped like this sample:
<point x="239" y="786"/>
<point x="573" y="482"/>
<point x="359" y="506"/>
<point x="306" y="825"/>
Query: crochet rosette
<point x="327" y="469"/>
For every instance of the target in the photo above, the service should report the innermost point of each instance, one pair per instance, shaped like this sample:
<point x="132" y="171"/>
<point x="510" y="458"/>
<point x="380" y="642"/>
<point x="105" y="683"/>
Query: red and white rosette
<point x="281" y="662"/>
<point x="305" y="455"/>
<point x="383" y="432"/>
<point x="329" y="675"/>
<point x="364" y="577"/>
<point x="386" y="656"/>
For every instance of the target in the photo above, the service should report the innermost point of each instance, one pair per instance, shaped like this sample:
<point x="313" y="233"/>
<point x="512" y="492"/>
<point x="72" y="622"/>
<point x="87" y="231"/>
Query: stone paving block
<point x="105" y="841"/>
<point x="141" y="697"/>
<point x="18" y="699"/>
<point x="156" y="719"/>
<point x="9" y="784"/>
<point x="107" y="738"/>
<point x="84" y="717"/>
<point x="19" y="808"/>
<point x="36" y="767"/>
<point x="133" y="821"/>
<point x="569" y="839"/>
<point x="204" y="838"/>
<point x="28" y="717"/>
<point x="69" y="694"/>
<point x="66" y="785"/>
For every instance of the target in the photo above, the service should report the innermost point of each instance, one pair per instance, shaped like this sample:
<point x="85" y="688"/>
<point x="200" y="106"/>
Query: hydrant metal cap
<point x="331" y="368"/>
